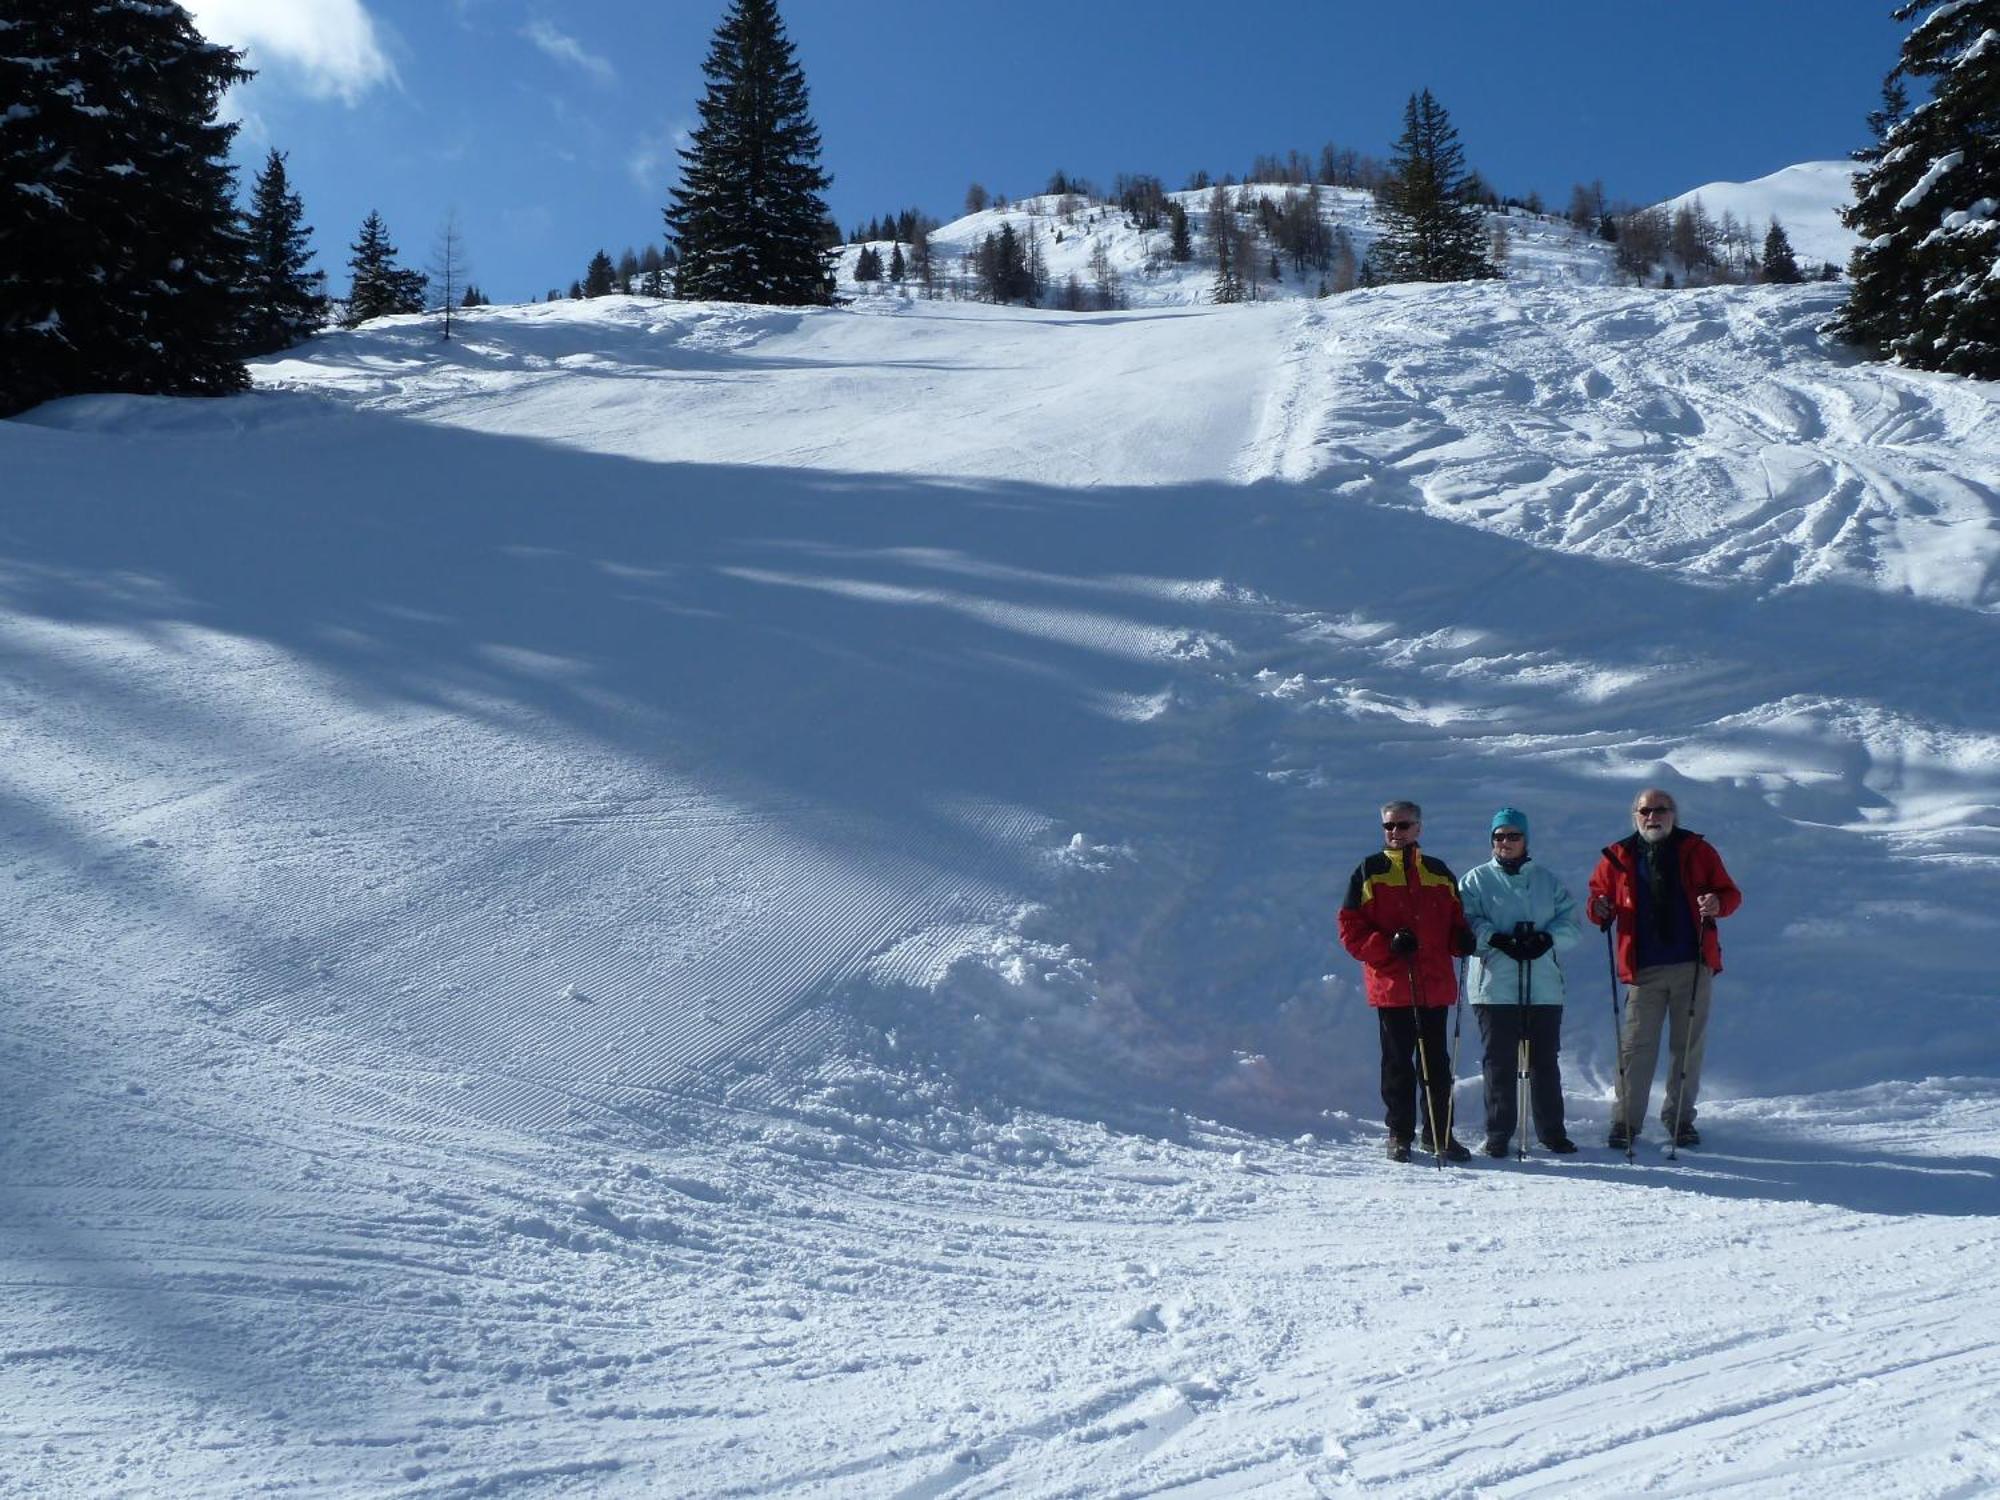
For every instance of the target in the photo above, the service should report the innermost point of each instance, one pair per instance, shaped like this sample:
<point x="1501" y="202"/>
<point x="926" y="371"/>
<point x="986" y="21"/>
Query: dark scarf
<point x="1663" y="873"/>
<point x="1512" y="866"/>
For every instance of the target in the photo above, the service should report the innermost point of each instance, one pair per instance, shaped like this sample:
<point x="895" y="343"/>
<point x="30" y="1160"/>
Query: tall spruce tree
<point x="380" y="286"/>
<point x="746" y="218"/>
<point x="1434" y="231"/>
<point x="1924" y="292"/>
<point x="286" y="302"/>
<point x="600" y="277"/>
<point x="121" y="254"/>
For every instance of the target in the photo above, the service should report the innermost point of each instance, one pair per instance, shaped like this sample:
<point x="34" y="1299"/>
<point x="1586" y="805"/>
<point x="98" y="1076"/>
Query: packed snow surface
<point x="692" y="900"/>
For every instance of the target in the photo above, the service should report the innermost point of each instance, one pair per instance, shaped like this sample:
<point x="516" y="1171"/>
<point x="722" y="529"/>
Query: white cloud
<point x="567" y="49"/>
<point x="654" y="161"/>
<point x="330" y="45"/>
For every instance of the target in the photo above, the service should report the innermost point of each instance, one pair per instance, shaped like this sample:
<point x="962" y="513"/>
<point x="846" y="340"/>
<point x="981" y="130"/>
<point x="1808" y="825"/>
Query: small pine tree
<point x="1779" y="264"/>
<point x="286" y="302"/>
<point x="600" y="277"/>
<point x="1433" y="229"/>
<point x="1227" y="286"/>
<point x="868" y="264"/>
<point x="1923" y="290"/>
<point x="380" y="287"/>
<point x="898" y="267"/>
<point x="923" y="265"/>
<point x="1180" y="242"/>
<point x="746" y="219"/>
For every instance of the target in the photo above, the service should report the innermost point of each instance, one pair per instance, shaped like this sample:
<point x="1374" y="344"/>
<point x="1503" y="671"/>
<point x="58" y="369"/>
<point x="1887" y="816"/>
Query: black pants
<point x="1502" y="1027"/>
<point x="1399" y="1028"/>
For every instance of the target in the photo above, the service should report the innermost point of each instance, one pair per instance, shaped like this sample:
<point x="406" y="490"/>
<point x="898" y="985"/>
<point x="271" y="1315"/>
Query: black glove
<point x="1507" y="943"/>
<point x="1402" y="940"/>
<point x="1534" y="945"/>
<point x="1463" y="943"/>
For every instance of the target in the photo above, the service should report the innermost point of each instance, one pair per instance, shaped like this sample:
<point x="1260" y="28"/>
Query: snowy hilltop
<point x="1807" y="199"/>
<point x="682" y="898"/>
<point x="1080" y="240"/>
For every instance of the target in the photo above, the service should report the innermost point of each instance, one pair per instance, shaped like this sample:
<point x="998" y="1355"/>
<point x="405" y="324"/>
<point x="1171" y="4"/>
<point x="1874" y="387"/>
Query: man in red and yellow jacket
<point x="1666" y="888"/>
<point x="1402" y="920"/>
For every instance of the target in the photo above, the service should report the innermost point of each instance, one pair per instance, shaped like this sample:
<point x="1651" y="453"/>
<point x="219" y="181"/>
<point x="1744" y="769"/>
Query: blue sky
<point x="551" y="128"/>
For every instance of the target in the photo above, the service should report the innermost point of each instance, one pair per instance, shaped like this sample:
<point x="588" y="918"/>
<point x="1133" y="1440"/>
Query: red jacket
<point x="1405" y="888"/>
<point x="1616" y="878"/>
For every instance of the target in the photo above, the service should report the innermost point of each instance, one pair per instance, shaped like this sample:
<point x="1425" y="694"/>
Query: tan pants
<point x="1663" y="992"/>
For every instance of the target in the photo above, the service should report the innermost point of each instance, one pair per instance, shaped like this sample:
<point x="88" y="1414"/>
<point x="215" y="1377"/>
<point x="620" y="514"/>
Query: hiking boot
<point x="1453" y="1151"/>
<point x="1620" y="1138"/>
<point x="1687" y="1135"/>
<point x="1496" y="1145"/>
<point x="1561" y="1145"/>
<point x="1399" y="1148"/>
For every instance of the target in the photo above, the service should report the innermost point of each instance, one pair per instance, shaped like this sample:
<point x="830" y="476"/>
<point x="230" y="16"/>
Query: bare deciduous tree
<point x="449" y="270"/>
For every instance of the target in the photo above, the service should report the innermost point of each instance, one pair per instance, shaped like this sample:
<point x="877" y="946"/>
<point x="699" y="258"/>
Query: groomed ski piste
<point x="692" y="900"/>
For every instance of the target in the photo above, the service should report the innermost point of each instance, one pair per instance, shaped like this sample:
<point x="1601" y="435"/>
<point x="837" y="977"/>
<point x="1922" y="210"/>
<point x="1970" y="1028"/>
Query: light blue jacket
<point x="1494" y="901"/>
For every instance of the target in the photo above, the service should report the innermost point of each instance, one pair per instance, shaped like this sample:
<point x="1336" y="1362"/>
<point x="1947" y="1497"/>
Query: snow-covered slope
<point x="703" y="900"/>
<point x="1807" y="199"/>
<point x="1068" y="231"/>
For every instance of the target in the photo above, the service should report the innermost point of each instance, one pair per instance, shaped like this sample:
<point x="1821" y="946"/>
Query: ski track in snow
<point x="575" y="905"/>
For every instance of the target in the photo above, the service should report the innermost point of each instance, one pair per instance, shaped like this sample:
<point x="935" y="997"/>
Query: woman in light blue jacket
<point x="1522" y="918"/>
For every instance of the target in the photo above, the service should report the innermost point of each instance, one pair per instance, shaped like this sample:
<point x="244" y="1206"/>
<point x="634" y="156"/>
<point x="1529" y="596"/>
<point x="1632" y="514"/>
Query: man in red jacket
<point x="1666" y="888"/>
<point x="1402" y="920"/>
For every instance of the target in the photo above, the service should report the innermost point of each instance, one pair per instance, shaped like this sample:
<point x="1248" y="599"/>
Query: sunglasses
<point x="1401" y="825"/>
<point x="1508" y="836"/>
<point x="1655" y="812"/>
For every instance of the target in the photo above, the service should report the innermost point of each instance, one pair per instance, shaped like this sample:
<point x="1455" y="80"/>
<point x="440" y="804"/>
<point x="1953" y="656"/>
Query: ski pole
<point x="1424" y="1067"/>
<point x="1457" y="1031"/>
<point x="1524" y="994"/>
<point x="1617" y="1033"/>
<point x="1683" y="1115"/>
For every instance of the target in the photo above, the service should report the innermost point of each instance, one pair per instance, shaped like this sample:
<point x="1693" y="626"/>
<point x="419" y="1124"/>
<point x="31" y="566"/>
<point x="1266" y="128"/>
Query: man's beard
<point x="1654" y="835"/>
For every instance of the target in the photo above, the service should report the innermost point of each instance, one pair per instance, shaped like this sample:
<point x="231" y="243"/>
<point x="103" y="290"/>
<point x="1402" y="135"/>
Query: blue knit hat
<point x="1511" y="817"/>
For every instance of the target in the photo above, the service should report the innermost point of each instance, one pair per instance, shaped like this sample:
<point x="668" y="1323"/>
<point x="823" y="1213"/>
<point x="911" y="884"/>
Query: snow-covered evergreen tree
<point x="121" y="254"/>
<point x="746" y="217"/>
<point x="1926" y="276"/>
<point x="1433" y="230"/>
<point x="380" y="286"/>
<point x="286" y="302"/>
